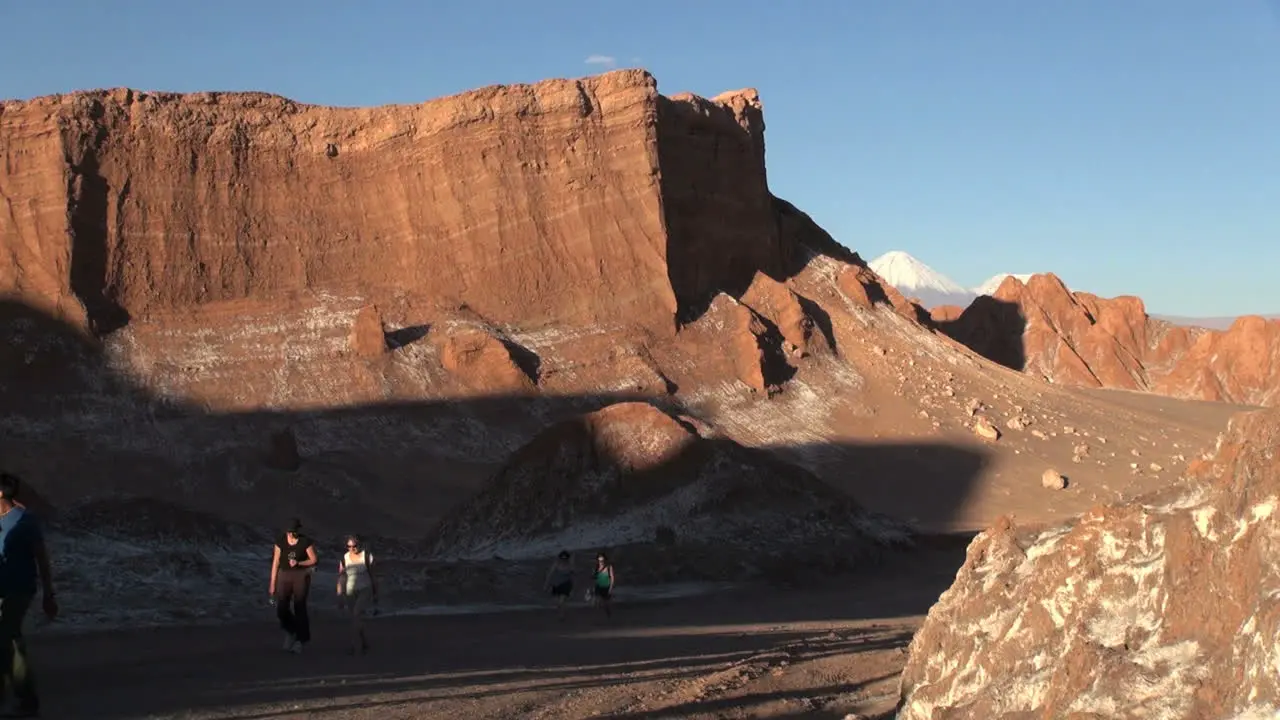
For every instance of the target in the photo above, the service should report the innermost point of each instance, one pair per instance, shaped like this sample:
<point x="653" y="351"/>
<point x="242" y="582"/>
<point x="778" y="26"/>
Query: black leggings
<point x="291" y="602"/>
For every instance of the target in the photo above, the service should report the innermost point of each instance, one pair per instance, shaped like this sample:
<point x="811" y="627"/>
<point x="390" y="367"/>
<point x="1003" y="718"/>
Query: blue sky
<point x="1131" y="146"/>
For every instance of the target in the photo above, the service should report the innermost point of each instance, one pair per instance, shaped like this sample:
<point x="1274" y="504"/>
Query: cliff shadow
<point x="993" y="328"/>
<point x="80" y="428"/>
<point x="100" y="447"/>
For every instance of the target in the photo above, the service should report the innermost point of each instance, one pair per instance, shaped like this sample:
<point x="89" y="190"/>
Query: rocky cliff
<point x="1080" y="339"/>
<point x="241" y="262"/>
<point x="1163" y="607"/>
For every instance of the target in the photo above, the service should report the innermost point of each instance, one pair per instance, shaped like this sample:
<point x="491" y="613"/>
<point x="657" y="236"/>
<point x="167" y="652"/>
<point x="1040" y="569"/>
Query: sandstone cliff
<point x="149" y="220"/>
<point x="186" y="275"/>
<point x="1162" y="607"/>
<point x="1080" y="339"/>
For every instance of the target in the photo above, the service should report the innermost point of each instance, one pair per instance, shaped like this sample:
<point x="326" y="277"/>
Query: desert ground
<point x="811" y="648"/>
<point x="820" y="651"/>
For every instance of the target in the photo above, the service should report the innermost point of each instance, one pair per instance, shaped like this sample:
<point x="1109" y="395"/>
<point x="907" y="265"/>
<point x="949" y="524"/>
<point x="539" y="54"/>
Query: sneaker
<point x="290" y="641"/>
<point x="297" y="648"/>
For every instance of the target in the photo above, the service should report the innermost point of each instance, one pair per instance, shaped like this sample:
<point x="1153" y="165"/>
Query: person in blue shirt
<point x="24" y="568"/>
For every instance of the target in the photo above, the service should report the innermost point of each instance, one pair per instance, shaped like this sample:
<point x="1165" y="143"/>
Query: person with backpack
<point x="24" y="567"/>
<point x="357" y="588"/>
<point x="292" y="561"/>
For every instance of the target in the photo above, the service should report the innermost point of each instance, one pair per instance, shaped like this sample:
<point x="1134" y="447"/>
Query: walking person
<point x="604" y="583"/>
<point x="560" y="580"/>
<point x="293" y="559"/>
<point x="24" y="565"/>
<point x="357" y="588"/>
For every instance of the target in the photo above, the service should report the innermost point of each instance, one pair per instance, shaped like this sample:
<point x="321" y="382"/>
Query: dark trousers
<point x="15" y="666"/>
<point x="291" y="602"/>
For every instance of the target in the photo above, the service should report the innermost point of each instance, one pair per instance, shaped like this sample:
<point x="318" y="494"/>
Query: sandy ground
<point x="820" y="651"/>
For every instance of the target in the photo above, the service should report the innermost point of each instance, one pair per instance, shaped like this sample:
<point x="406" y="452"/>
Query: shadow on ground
<point x="87" y="437"/>
<point x="437" y="666"/>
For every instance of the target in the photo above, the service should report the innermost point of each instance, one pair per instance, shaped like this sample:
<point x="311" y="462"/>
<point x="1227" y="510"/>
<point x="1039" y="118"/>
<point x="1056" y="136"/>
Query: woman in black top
<point x="291" y="565"/>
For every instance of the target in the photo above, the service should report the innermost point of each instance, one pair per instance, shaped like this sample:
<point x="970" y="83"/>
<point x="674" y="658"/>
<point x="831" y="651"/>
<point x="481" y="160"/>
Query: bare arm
<point x="373" y="579"/>
<point x="342" y="568"/>
<point x="611" y="577"/>
<point x="275" y="564"/>
<point x="311" y="557"/>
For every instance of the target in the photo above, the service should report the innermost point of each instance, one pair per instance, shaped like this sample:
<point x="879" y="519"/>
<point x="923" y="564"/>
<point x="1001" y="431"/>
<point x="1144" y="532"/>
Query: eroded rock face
<point x="544" y="202"/>
<point x="1168" y="606"/>
<point x="1076" y="338"/>
<point x="185" y="273"/>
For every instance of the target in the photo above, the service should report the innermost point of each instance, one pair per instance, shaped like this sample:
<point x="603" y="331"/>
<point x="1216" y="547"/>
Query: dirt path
<point x="821" y="652"/>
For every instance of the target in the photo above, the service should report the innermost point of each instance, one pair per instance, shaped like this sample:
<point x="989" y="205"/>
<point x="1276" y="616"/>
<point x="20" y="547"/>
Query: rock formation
<point x="1162" y="607"/>
<point x="185" y="274"/>
<point x="1079" y="339"/>
<point x="628" y="472"/>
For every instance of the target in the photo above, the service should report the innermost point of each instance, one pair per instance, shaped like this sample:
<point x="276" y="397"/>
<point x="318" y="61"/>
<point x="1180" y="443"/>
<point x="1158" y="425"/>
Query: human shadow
<point x="992" y="328"/>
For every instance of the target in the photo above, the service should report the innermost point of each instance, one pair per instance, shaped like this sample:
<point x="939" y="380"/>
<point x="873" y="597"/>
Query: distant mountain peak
<point x="993" y="283"/>
<point x="906" y="273"/>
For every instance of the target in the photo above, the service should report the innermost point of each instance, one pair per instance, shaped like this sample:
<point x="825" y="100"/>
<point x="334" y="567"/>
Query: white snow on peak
<point x="914" y="279"/>
<point x="993" y="283"/>
<point x="904" y="272"/>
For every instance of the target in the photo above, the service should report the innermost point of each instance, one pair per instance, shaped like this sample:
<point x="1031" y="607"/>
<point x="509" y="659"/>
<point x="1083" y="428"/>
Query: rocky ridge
<point x="1079" y="339"/>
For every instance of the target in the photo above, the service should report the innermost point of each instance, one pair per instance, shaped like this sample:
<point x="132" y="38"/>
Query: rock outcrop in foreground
<point x="1165" y="607"/>
<point x="1079" y="339"/>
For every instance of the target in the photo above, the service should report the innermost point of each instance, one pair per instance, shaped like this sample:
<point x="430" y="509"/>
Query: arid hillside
<point x="222" y="309"/>
<point x="1082" y="340"/>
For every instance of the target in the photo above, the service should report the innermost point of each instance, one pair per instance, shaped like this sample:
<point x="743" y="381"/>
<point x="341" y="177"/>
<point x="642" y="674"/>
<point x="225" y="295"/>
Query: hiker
<point x="24" y="559"/>
<point x="560" y="580"/>
<point x="293" y="559"/>
<point x="604" y="583"/>
<point x="357" y="588"/>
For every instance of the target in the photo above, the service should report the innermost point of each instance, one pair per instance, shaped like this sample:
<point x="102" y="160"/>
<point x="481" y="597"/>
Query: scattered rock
<point x="1039" y="434"/>
<point x="974" y="407"/>
<point x="1052" y="480"/>
<point x="984" y="429"/>
<point x="1018" y="422"/>
<point x="1155" y="467"/>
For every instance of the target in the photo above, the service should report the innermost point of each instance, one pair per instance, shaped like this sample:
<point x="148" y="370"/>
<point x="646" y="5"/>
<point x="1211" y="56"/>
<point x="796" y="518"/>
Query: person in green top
<point x="604" y="583"/>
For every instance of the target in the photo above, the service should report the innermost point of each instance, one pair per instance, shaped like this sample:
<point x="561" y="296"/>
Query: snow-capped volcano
<point x="917" y="280"/>
<point x="993" y="283"/>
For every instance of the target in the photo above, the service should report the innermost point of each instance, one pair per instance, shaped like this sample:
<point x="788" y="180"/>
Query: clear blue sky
<point x="1131" y="146"/>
